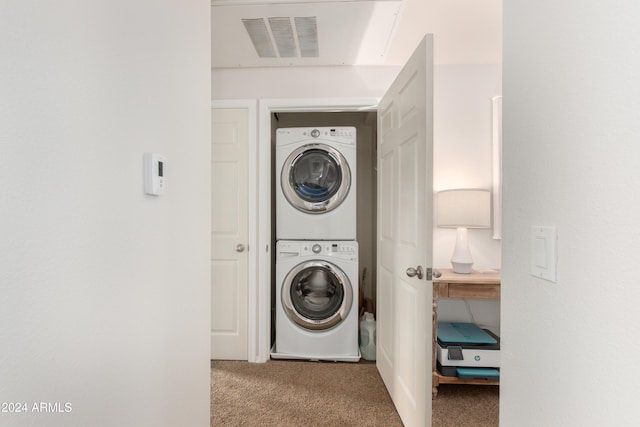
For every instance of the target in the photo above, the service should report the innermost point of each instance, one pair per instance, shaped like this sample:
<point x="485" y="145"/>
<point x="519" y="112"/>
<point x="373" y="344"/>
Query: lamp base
<point x="461" y="267"/>
<point x="461" y="259"/>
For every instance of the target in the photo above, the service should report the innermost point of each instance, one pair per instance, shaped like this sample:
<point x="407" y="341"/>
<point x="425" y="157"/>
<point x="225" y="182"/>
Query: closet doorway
<point x="365" y="123"/>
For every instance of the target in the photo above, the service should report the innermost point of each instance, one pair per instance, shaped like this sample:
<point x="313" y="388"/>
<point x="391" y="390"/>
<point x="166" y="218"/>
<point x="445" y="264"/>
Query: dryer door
<point x="315" y="178"/>
<point x="317" y="295"/>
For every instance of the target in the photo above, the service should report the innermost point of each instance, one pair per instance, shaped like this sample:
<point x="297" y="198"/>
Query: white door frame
<point x="260" y="323"/>
<point x="252" y="179"/>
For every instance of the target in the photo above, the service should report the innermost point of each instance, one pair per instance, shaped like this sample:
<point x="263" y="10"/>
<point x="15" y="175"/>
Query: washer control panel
<point x="301" y="248"/>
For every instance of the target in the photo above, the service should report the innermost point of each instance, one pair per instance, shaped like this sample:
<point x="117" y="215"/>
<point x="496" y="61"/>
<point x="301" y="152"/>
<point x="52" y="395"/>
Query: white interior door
<point x="405" y="199"/>
<point x="229" y="233"/>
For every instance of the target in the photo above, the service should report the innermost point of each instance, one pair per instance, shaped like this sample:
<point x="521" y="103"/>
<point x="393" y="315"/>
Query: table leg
<point x="435" y="379"/>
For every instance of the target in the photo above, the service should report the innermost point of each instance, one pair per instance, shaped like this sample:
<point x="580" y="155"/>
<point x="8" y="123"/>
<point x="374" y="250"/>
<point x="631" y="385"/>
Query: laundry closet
<point x="352" y="251"/>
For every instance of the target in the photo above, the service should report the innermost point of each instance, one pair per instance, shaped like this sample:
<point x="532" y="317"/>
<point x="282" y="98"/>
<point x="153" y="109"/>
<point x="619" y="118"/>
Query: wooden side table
<point x="452" y="285"/>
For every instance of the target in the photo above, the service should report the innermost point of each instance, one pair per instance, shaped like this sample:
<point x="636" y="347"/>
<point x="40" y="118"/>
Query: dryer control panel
<point x="343" y="134"/>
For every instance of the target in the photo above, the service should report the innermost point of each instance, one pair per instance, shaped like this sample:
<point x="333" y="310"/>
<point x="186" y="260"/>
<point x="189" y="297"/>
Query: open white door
<point x="229" y="233"/>
<point x="405" y="199"/>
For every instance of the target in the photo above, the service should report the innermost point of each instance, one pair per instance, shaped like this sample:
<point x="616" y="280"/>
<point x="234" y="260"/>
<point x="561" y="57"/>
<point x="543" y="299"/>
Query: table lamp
<point x="462" y="209"/>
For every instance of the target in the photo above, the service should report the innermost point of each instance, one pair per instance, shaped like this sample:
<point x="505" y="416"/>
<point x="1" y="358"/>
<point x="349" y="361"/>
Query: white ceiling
<point x="364" y="32"/>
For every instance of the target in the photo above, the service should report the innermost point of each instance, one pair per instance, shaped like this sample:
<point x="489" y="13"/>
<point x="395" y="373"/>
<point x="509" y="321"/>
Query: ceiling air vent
<point x="257" y="30"/>
<point x="307" y="37"/>
<point x="282" y="37"/>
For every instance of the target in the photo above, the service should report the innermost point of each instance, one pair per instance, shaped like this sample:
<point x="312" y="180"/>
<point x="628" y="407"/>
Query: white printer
<point x="466" y="351"/>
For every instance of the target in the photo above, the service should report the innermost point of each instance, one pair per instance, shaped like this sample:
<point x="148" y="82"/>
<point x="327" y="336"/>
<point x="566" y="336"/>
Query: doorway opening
<point x="365" y="123"/>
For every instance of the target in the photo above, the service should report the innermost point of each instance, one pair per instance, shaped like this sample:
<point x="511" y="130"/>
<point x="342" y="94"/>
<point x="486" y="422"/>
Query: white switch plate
<point x="544" y="241"/>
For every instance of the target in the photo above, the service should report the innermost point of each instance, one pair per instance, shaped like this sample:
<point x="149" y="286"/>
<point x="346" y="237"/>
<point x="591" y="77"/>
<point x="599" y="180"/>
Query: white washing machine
<point x="317" y="301"/>
<point x="316" y="183"/>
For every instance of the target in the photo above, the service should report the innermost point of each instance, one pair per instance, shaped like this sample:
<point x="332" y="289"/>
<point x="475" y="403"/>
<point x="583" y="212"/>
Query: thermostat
<point x="154" y="174"/>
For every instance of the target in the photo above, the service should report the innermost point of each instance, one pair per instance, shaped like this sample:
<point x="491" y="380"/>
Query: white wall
<point x="104" y="291"/>
<point x="571" y="150"/>
<point x="462" y="149"/>
<point x="463" y="159"/>
<point x="301" y="82"/>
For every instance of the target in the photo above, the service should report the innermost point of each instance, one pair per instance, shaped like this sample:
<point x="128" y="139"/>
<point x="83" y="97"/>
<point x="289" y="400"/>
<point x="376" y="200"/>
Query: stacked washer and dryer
<point x="316" y="250"/>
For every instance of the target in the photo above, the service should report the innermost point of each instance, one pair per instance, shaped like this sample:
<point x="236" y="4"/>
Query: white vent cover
<point x="284" y="37"/>
<point x="257" y="30"/>
<point x="307" y="36"/>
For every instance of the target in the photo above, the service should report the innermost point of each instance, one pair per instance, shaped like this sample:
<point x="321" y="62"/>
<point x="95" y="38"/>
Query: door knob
<point x="239" y="247"/>
<point x="411" y="272"/>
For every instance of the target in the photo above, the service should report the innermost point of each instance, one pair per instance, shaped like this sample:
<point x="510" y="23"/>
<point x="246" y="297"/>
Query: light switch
<point x="540" y="252"/>
<point x="544" y="242"/>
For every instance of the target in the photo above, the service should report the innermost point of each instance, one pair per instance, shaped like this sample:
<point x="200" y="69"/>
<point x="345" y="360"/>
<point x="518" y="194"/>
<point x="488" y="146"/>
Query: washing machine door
<point x="317" y="295"/>
<point x="315" y="178"/>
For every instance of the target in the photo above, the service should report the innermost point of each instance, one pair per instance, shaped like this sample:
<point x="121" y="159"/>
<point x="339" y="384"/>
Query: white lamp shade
<point x="468" y="208"/>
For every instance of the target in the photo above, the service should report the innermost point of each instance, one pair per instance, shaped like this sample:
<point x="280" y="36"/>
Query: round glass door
<point x="315" y="178"/>
<point x="317" y="295"/>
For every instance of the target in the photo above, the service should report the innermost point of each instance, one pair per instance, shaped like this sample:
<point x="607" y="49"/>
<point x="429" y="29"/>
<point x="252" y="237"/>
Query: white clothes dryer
<point x="316" y="183"/>
<point x="317" y="301"/>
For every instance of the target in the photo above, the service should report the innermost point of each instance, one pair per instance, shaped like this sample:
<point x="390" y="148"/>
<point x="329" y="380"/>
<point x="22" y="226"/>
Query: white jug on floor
<point x="368" y="337"/>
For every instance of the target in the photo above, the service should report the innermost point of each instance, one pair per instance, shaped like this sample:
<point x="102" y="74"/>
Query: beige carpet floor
<point x="318" y="394"/>
<point x="466" y="406"/>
